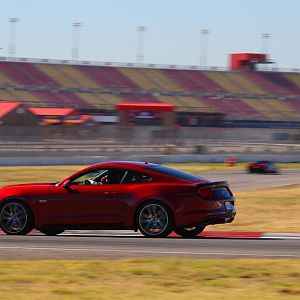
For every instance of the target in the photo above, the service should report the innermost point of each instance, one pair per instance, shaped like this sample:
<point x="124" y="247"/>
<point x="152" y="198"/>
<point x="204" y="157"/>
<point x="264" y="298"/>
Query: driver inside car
<point x="112" y="177"/>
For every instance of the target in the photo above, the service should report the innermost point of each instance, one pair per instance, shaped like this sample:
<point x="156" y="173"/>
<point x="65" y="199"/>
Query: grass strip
<point x="183" y="279"/>
<point x="268" y="210"/>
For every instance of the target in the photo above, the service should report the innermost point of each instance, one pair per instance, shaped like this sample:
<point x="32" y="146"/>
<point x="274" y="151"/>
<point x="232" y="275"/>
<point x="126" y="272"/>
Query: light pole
<point x="265" y="46"/>
<point x="12" y="36"/>
<point x="140" y="44"/>
<point x="203" y="47"/>
<point x="265" y="43"/>
<point x="76" y="40"/>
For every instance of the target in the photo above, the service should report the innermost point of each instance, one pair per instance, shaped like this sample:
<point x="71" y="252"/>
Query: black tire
<point x="51" y="232"/>
<point x="154" y="219"/>
<point x="16" y="218"/>
<point x="188" y="232"/>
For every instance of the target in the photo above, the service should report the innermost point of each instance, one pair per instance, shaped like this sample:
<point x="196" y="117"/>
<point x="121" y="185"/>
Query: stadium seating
<point x="161" y="80"/>
<point x="294" y="78"/>
<point x="240" y="95"/>
<point x="225" y="82"/>
<point x="7" y="96"/>
<point x="193" y="81"/>
<point x="137" y="77"/>
<point x="237" y="82"/>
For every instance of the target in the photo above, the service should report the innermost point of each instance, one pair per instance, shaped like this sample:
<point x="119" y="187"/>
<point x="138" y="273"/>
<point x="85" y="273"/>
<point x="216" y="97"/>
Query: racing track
<point x="240" y="180"/>
<point x="78" y="245"/>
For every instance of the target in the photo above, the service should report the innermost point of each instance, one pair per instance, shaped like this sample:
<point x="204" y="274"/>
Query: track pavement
<point x="241" y="180"/>
<point x="105" y="247"/>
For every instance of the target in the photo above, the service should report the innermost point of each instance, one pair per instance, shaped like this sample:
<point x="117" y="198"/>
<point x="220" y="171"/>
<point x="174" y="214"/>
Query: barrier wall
<point x="89" y="160"/>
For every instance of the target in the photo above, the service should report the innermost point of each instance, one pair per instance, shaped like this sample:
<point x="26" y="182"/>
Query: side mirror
<point x="67" y="183"/>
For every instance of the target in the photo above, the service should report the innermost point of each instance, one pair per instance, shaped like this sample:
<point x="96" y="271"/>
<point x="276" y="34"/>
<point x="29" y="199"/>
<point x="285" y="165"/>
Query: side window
<point x="135" y="177"/>
<point x="90" y="177"/>
<point x="100" y="176"/>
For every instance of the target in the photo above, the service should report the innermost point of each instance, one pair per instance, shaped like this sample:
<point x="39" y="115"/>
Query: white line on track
<point x="145" y="251"/>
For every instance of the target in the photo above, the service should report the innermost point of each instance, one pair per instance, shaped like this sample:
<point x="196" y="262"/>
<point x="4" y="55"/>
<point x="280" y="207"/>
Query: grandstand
<point x="240" y="96"/>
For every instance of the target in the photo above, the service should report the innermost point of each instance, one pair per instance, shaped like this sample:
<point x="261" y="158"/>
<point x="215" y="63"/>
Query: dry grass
<point x="183" y="279"/>
<point x="269" y="210"/>
<point x="14" y="175"/>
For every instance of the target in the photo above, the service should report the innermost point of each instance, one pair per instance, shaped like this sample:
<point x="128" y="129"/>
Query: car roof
<point x="263" y="162"/>
<point x="122" y="164"/>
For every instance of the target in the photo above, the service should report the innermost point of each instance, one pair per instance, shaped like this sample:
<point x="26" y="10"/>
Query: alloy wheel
<point x="13" y="218"/>
<point x="153" y="219"/>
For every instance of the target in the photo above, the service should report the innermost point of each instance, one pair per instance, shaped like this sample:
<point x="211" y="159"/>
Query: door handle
<point x="110" y="193"/>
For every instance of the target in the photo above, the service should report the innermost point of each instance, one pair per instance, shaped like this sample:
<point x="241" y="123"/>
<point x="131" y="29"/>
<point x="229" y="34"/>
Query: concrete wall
<point x="146" y="134"/>
<point x="89" y="160"/>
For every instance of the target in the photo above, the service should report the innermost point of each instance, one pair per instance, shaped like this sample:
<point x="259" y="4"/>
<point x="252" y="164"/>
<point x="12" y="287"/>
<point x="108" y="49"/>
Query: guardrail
<point x="88" y="149"/>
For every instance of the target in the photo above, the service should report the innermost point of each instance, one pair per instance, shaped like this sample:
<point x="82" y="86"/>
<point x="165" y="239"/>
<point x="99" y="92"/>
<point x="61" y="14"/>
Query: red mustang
<point x="118" y="195"/>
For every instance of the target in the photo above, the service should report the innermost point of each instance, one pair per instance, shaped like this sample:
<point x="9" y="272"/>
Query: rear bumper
<point x="220" y="218"/>
<point x="209" y="217"/>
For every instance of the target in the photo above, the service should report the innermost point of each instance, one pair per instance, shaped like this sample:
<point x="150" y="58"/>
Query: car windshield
<point x="172" y="172"/>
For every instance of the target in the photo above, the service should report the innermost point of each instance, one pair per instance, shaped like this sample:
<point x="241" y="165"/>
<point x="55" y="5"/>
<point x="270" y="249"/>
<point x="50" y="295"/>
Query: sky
<point x="173" y="35"/>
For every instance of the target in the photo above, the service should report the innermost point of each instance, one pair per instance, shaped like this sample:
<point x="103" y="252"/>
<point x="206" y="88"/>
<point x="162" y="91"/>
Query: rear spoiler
<point x="210" y="191"/>
<point x="214" y="184"/>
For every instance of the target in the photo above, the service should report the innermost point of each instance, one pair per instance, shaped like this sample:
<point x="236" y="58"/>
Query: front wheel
<point x="16" y="218"/>
<point x="154" y="220"/>
<point x="189" y="231"/>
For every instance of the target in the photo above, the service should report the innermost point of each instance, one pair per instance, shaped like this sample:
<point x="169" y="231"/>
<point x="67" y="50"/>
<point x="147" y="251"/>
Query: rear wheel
<point x="16" y="218"/>
<point x="154" y="220"/>
<point x="189" y="231"/>
<point x="52" y="232"/>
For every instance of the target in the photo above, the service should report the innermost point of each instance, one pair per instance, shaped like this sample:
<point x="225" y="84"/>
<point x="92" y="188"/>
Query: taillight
<point x="218" y="193"/>
<point x="206" y="193"/>
<point x="262" y="165"/>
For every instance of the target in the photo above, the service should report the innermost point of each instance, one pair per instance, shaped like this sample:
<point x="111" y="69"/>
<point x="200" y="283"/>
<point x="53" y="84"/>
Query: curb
<point x="284" y="236"/>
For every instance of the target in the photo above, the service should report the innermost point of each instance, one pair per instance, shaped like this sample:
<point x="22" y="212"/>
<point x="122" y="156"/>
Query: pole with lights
<point x="76" y="40"/>
<point x="203" y="47"/>
<point x="265" y="45"/>
<point x="140" y="44"/>
<point x="12" y="36"/>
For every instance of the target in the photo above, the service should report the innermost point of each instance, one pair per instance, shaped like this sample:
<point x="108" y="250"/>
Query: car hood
<point x="27" y="184"/>
<point x="21" y="188"/>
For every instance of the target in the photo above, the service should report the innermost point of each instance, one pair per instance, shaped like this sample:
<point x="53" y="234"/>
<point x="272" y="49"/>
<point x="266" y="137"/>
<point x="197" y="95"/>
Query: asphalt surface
<point x="81" y="245"/>
<point x="105" y="247"/>
<point x="241" y="180"/>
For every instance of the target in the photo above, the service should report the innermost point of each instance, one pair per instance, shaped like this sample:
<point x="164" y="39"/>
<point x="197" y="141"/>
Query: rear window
<point x="171" y="172"/>
<point x="134" y="177"/>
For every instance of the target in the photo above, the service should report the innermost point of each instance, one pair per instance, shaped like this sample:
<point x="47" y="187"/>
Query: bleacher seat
<point x="240" y="95"/>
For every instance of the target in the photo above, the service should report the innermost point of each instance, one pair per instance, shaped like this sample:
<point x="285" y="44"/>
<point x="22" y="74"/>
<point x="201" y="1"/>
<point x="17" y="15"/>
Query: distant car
<point x="262" y="166"/>
<point x="118" y="195"/>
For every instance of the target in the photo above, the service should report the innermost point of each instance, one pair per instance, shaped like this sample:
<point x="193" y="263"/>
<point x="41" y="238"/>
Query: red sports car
<point x="143" y="196"/>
